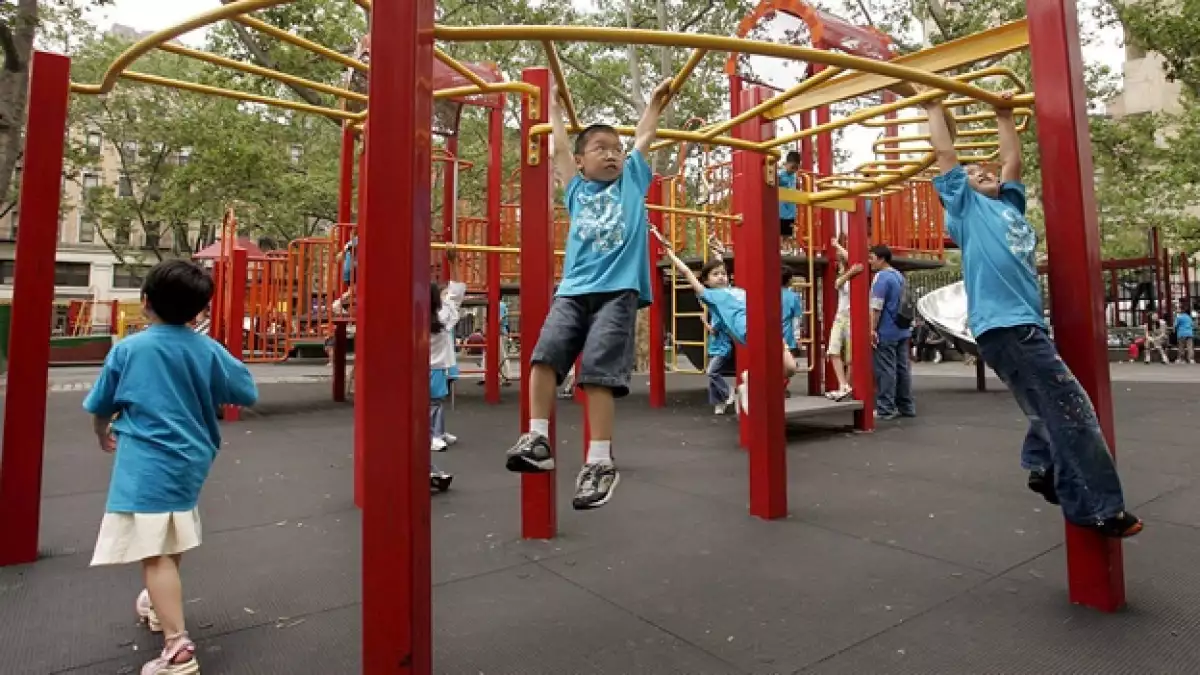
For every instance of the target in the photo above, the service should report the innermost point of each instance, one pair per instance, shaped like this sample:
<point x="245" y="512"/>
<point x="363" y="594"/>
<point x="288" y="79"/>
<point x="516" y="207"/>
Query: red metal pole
<point x="860" y="320"/>
<point x="394" y="338"/>
<point x="360" y="372"/>
<point x="760" y="243"/>
<point x="658" y="360"/>
<point x="449" y="204"/>
<point x="829" y="230"/>
<point x="539" y="516"/>
<point x="1187" y="282"/>
<point x="1095" y="568"/>
<point x="1168" y="295"/>
<point x="345" y="213"/>
<point x="492" y="350"/>
<point x="235" y="312"/>
<point x="737" y="205"/>
<point x="32" y="309"/>
<point x="806" y="143"/>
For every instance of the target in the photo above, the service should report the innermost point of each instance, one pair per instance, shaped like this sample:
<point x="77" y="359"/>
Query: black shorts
<point x="787" y="227"/>
<point x="600" y="326"/>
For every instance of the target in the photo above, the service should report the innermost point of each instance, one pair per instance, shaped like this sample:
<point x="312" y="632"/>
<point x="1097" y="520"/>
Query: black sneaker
<point x="595" y="485"/>
<point x="1122" y="525"/>
<point x="531" y="454"/>
<point x="1042" y="482"/>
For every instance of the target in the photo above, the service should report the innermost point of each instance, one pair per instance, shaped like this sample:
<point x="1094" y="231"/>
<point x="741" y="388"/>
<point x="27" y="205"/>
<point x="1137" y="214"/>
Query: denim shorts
<point x="599" y="326"/>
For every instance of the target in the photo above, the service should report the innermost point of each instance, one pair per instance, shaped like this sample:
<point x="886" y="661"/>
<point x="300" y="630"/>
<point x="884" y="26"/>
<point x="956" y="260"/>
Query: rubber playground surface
<point x="913" y="550"/>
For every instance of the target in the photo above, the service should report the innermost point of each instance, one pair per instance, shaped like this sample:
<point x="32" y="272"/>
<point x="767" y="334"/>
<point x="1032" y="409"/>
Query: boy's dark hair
<point x="177" y="290"/>
<point x="708" y="269"/>
<point x="583" y="137"/>
<point x="793" y="157"/>
<point x="883" y="253"/>
<point x="785" y="276"/>
<point x="435" y="305"/>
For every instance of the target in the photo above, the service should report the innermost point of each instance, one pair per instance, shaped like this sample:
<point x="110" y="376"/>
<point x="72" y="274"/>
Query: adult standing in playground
<point x="606" y="278"/>
<point x="1064" y="450"/>
<point x="893" y="374"/>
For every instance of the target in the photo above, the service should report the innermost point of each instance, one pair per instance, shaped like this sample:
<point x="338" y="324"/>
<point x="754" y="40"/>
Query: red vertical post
<point x="235" y="312"/>
<point x="493" y="356"/>
<point x="360" y="229"/>
<point x="1168" y="294"/>
<point x="1095" y="567"/>
<point x="658" y="360"/>
<point x="1187" y="282"/>
<point x="394" y="338"/>
<point x="764" y="345"/>
<point x="804" y="121"/>
<point x="737" y="206"/>
<point x="539" y="517"/>
<point x="829" y="230"/>
<point x="449" y="204"/>
<point x="345" y="213"/>
<point x="862" y="372"/>
<point x="32" y="308"/>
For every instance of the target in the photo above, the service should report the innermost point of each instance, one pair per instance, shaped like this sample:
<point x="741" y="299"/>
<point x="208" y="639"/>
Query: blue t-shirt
<point x="886" y="292"/>
<point x="167" y="383"/>
<point x="503" y="318"/>
<point x="607" y="246"/>
<point x="787" y="210"/>
<point x="349" y="258"/>
<point x="718" y="340"/>
<point x="998" y="253"/>
<point x="793" y="309"/>
<point x="1184" y="326"/>
<point x="729" y="307"/>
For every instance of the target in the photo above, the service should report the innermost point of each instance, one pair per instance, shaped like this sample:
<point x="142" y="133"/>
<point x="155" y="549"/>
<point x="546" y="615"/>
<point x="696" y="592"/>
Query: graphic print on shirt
<point x="1022" y="240"/>
<point x="598" y="219"/>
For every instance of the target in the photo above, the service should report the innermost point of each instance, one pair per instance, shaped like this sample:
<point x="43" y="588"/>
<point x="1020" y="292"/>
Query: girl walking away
<point x="443" y="317"/>
<point x="155" y="406"/>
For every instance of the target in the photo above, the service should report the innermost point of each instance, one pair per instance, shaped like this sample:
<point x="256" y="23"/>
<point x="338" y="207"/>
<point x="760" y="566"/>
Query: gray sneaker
<point x="531" y="454"/>
<point x="595" y="485"/>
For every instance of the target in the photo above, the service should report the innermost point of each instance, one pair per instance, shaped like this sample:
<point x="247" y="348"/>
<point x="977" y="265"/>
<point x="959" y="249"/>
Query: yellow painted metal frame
<point x="846" y="76"/>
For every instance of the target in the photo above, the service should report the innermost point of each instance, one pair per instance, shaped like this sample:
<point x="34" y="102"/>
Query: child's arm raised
<point x="855" y="270"/>
<point x="560" y="145"/>
<point x="687" y="273"/>
<point x="941" y="136"/>
<point x="647" y="128"/>
<point x="456" y="292"/>
<point x="1010" y="144"/>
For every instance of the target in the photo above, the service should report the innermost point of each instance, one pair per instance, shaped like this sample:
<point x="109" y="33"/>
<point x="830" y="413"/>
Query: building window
<point x="129" y="150"/>
<point x="158" y="147"/>
<point x="91" y="181"/>
<point x="14" y="220"/>
<point x="87" y="229"/>
<point x="297" y="153"/>
<point x="121" y="236"/>
<point x="129" y="276"/>
<point x="8" y="269"/>
<point x="185" y="156"/>
<point x="73" y="274"/>
<point x="153" y="235"/>
<point x="94" y="140"/>
<point x="125" y="186"/>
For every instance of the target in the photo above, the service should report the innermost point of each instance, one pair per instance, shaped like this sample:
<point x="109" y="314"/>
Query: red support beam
<point x="658" y="360"/>
<point x="764" y="345"/>
<point x="493" y="356"/>
<point x="862" y="373"/>
<point x="828" y="230"/>
<point x="235" y="311"/>
<point x="737" y="205"/>
<point x="394" y="338"/>
<point x="1095" y="568"/>
<point x="539" y="515"/>
<point x="32" y="310"/>
<point x="360" y="229"/>
<point x="806" y="144"/>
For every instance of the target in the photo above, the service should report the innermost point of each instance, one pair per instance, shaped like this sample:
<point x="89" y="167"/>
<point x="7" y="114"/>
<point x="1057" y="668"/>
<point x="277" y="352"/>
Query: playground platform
<point x="913" y="550"/>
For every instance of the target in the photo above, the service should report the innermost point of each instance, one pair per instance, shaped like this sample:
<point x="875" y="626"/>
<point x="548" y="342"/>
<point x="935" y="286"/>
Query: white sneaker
<point x="449" y="439"/>
<point x="437" y="445"/>
<point x="743" y="392"/>
<point x="719" y="409"/>
<point x="337" y="306"/>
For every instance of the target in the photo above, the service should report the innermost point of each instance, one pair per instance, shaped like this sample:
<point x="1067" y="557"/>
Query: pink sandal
<point x="168" y="662"/>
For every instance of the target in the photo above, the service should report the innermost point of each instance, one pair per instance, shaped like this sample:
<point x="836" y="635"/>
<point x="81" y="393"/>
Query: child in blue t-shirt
<point x="606" y="279"/>
<point x="787" y="210"/>
<point x="720" y="349"/>
<point x="164" y="387"/>
<point x="349" y="259"/>
<point x="1064" y="451"/>
<point x="791" y="314"/>
<point x="1185" y="333"/>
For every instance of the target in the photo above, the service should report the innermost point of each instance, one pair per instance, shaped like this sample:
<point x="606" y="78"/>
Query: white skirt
<point x="133" y="537"/>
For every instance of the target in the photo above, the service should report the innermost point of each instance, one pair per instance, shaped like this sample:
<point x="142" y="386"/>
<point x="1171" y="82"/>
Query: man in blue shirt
<point x="893" y="377"/>
<point x="1064" y="450"/>
<point x="787" y="210"/>
<point x="606" y="278"/>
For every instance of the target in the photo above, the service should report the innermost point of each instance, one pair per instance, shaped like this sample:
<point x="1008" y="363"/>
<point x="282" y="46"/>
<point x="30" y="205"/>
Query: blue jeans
<point x="893" y="380"/>
<point x="437" y="425"/>
<point x="1064" y="434"/>
<point x="718" y="388"/>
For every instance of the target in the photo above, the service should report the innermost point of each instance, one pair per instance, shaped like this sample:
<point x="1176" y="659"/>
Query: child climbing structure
<point x="393" y="261"/>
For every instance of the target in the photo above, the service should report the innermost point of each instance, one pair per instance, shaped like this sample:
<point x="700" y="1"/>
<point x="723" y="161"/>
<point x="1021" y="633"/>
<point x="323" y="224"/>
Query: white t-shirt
<point x="843" y="307"/>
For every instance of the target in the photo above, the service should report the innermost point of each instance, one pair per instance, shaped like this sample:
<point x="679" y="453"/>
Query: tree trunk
<point x="14" y="84"/>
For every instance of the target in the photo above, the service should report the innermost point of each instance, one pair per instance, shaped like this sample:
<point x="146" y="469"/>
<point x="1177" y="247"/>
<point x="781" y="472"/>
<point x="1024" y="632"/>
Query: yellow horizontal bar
<point x="847" y="205"/>
<point x="684" y="73"/>
<point x="141" y="47"/>
<point x="692" y="212"/>
<point x="498" y="88"/>
<point x="318" y="49"/>
<point x="996" y="42"/>
<point x="961" y="119"/>
<point x="674" y="134"/>
<point x="564" y="92"/>
<point x="459" y="68"/>
<point x="690" y="343"/>
<point x="208" y="57"/>
<point x="894" y="71"/>
<point x="722" y="127"/>
<point x="196" y="88"/>
<point x="477" y="248"/>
